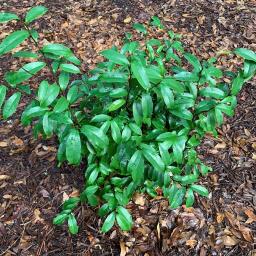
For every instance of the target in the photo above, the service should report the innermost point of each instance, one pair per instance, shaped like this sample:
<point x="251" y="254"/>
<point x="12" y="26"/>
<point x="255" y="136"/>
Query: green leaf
<point x="57" y="49"/>
<point x="212" y="92"/>
<point x="32" y="112"/>
<point x="116" y="105"/>
<point x="47" y="93"/>
<point x="93" y="176"/>
<point x="139" y="27"/>
<point x="116" y="133"/>
<point x="100" y="118"/>
<point x="123" y="218"/>
<point x="167" y="95"/>
<point x="115" y="57"/>
<point x="47" y="126"/>
<point x="72" y="224"/>
<point x="114" y="77"/>
<point x="13" y="40"/>
<point x="7" y="16"/>
<point x="178" y="148"/>
<point x="135" y="128"/>
<point x="72" y="94"/>
<point x="237" y="84"/>
<point x="95" y="136"/>
<point x="137" y="113"/>
<point x="136" y="166"/>
<point x="228" y="110"/>
<point x="182" y="113"/>
<point x="246" y="54"/>
<point x="70" y="68"/>
<point x="200" y="190"/>
<point x="35" y="13"/>
<point x="3" y="90"/>
<point x="193" y="60"/>
<point x="109" y="222"/>
<point x="24" y="73"/>
<point x="61" y="105"/>
<point x="173" y="84"/>
<point x="147" y="105"/>
<point x="177" y="198"/>
<point x="73" y="147"/>
<point x="63" y="80"/>
<point x="186" y="76"/>
<point x="25" y="54"/>
<point x="157" y="22"/>
<point x="60" y="218"/>
<point x="126" y="133"/>
<point x="152" y="156"/>
<point x="190" y="198"/>
<point x="140" y="74"/>
<point x="11" y="105"/>
<point x="118" y="93"/>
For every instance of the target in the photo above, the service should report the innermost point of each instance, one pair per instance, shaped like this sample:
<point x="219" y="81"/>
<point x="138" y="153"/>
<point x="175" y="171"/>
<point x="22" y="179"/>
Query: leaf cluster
<point x="136" y="119"/>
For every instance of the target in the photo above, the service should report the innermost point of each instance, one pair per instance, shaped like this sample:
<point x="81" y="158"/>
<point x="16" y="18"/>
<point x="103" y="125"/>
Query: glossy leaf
<point x="246" y="54"/>
<point x="73" y="147"/>
<point x="11" y="105"/>
<point x="123" y="218"/>
<point x="3" y="91"/>
<point x="7" y="16"/>
<point x="200" y="190"/>
<point x="136" y="166"/>
<point x="95" y="136"/>
<point x="70" y="68"/>
<point x="139" y="72"/>
<point x="35" y="13"/>
<point x="115" y="57"/>
<point x="13" y="40"/>
<point x="72" y="224"/>
<point x="109" y="222"/>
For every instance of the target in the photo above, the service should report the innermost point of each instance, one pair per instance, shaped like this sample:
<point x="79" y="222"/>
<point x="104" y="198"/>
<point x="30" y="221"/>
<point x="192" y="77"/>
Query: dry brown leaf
<point x="251" y="216"/>
<point x="123" y="248"/>
<point x="3" y="144"/>
<point x="65" y="197"/>
<point x="247" y="234"/>
<point x="7" y="196"/>
<point x="220" y="217"/>
<point x="139" y="199"/>
<point x="37" y="214"/>
<point x="229" y="241"/>
<point x="191" y="243"/>
<point x="75" y="193"/>
<point x="4" y="177"/>
<point x="220" y="145"/>
<point x="127" y="20"/>
<point x="16" y="141"/>
<point x="158" y="231"/>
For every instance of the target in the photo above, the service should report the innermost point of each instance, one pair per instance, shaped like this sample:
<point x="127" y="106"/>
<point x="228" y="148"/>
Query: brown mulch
<point x="32" y="188"/>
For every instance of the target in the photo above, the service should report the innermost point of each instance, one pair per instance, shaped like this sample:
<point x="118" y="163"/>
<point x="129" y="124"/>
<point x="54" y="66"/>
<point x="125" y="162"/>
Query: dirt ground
<point x="32" y="188"/>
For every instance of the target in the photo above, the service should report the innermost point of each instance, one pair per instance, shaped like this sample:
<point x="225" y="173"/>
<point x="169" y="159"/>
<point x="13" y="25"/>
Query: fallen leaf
<point x="4" y="177"/>
<point x="251" y="216"/>
<point x="139" y="199"/>
<point x="123" y="248"/>
<point x="220" y="145"/>
<point x="128" y="20"/>
<point x="229" y="241"/>
<point x="220" y="217"/>
<point x="3" y="144"/>
<point x="191" y="243"/>
<point x="37" y="214"/>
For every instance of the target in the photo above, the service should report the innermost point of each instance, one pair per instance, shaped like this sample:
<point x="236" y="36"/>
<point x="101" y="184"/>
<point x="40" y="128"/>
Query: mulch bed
<point x="32" y="188"/>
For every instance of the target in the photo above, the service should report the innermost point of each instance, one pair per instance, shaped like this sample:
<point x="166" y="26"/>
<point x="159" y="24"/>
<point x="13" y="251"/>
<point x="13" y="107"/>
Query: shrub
<point x="136" y="119"/>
